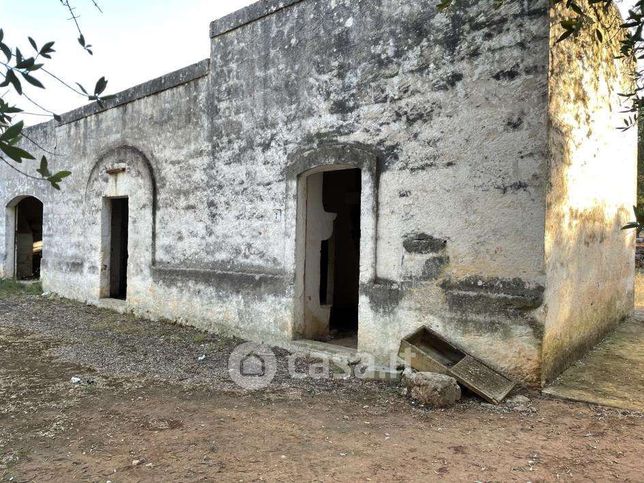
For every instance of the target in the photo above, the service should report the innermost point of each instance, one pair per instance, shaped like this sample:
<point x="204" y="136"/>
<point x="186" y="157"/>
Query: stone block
<point x="433" y="389"/>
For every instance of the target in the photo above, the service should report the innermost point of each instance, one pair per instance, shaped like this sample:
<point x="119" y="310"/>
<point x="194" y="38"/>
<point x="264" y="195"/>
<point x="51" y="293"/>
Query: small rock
<point x="76" y="380"/>
<point x="378" y="373"/>
<point x="432" y="389"/>
<point x="137" y="462"/>
<point x="521" y="408"/>
<point x="201" y="358"/>
<point x="518" y="400"/>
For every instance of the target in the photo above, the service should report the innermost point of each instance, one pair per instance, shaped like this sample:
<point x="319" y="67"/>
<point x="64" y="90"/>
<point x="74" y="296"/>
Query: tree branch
<point x="37" y="145"/>
<point x="62" y="82"/>
<point x="74" y="17"/>
<point x="20" y="171"/>
<point x="97" y="6"/>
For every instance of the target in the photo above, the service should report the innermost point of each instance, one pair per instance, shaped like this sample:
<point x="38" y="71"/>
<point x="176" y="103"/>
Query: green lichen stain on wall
<point x="589" y="261"/>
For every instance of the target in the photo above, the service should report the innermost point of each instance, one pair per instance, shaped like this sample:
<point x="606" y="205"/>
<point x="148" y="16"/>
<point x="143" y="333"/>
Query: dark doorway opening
<point x="340" y="254"/>
<point x="118" y="248"/>
<point x="28" y="239"/>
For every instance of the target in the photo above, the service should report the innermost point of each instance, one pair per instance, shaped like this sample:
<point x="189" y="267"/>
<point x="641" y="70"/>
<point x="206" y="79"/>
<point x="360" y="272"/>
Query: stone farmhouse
<point x="348" y="171"/>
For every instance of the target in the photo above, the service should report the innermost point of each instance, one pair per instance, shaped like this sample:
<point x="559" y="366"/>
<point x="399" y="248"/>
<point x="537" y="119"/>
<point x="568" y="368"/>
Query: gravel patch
<point x="126" y="346"/>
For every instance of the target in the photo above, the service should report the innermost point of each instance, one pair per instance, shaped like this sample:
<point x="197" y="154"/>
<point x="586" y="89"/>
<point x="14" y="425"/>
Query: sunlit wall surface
<point x="589" y="261"/>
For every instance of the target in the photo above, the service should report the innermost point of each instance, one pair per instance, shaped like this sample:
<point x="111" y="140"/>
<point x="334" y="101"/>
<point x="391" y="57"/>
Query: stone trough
<point x="426" y="351"/>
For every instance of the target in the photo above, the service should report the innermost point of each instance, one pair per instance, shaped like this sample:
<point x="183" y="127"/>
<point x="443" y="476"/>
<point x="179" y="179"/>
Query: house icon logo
<point x="252" y="366"/>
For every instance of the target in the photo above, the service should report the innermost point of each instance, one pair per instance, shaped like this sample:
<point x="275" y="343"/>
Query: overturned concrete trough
<point x="426" y="351"/>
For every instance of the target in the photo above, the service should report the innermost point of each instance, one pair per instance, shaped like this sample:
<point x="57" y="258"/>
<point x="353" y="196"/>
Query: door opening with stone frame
<point x="26" y="246"/>
<point x="115" y="248"/>
<point x="330" y="208"/>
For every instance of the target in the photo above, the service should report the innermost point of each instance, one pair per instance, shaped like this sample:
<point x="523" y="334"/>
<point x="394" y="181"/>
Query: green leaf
<point x="15" y="153"/>
<point x="26" y="63"/>
<point x="11" y="109"/>
<point x="32" y="80"/>
<point x="6" y="51"/>
<point x="13" y="79"/>
<point x="575" y="8"/>
<point x="631" y="225"/>
<point x="12" y="132"/>
<point x="46" y="50"/>
<point x="565" y="35"/>
<point x="599" y="35"/>
<point x="101" y="84"/>
<point x="33" y="44"/>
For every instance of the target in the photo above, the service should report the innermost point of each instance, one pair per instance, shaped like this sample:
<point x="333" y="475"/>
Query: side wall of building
<point x="445" y="114"/>
<point x="593" y="172"/>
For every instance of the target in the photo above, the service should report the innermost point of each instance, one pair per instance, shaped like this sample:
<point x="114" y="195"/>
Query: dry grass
<point x="13" y="287"/>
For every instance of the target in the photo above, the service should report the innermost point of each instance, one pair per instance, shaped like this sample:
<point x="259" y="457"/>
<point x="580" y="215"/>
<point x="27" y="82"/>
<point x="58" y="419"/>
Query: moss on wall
<point x="589" y="261"/>
<point x="640" y="162"/>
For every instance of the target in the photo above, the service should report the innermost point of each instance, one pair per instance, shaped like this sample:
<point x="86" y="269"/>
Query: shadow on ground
<point x="612" y="374"/>
<point x="145" y="408"/>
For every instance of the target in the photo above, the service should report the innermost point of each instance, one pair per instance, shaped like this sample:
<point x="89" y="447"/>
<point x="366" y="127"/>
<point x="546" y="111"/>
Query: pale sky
<point x="134" y="41"/>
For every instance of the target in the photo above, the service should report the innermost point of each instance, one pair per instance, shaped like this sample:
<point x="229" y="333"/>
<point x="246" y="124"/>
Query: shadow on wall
<point x="589" y="260"/>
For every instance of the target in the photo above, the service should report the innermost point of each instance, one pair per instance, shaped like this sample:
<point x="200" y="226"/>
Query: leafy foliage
<point x="18" y="70"/>
<point x="638" y="224"/>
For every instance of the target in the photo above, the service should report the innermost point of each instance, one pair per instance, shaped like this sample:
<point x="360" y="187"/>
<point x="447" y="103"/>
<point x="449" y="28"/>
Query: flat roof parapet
<point x="244" y="16"/>
<point x="154" y="86"/>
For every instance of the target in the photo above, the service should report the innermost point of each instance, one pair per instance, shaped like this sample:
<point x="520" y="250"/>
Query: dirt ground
<point x="147" y="409"/>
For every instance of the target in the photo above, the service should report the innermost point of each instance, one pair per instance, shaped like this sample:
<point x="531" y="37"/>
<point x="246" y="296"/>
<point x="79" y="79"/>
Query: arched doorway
<point x="27" y="239"/>
<point x="331" y="212"/>
<point x="330" y="202"/>
<point x="120" y="201"/>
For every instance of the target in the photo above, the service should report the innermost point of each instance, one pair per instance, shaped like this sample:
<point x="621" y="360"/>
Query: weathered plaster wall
<point x="445" y="114"/>
<point x="453" y="108"/>
<point x="162" y="137"/>
<point x="14" y="187"/>
<point x="589" y="261"/>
